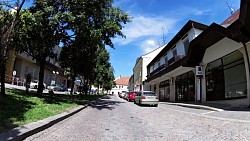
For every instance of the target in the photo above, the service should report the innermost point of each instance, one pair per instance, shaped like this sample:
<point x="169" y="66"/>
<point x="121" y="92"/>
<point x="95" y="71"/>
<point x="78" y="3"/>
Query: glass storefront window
<point x="235" y="81"/>
<point x="185" y="87"/>
<point x="226" y="77"/>
<point x="213" y="65"/>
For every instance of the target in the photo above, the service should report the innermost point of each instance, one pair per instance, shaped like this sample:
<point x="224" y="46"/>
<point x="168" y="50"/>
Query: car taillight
<point x="156" y="97"/>
<point x="143" y="97"/>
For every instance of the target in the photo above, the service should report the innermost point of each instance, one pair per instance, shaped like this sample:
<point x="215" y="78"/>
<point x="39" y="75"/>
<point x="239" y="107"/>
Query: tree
<point x="95" y="24"/>
<point x="9" y="13"/>
<point x="109" y="82"/>
<point x="104" y="71"/>
<point x="40" y="31"/>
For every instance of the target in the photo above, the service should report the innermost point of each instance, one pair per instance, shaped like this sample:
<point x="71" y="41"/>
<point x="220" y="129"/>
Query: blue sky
<point x="153" y="17"/>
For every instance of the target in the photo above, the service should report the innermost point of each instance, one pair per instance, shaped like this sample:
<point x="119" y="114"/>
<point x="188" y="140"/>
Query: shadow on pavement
<point x="105" y="103"/>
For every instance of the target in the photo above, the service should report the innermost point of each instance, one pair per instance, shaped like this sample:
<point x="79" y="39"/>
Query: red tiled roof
<point x="232" y="18"/>
<point x="122" y="81"/>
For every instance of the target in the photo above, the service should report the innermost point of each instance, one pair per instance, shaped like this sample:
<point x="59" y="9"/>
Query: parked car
<point x="131" y="95"/>
<point x="55" y="87"/>
<point x="125" y="95"/>
<point x="146" y="98"/>
<point x="122" y="94"/>
<point x="34" y="84"/>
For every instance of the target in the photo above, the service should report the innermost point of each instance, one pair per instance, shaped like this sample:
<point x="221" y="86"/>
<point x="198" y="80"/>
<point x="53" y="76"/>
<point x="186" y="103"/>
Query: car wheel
<point x="134" y="102"/>
<point x="128" y="100"/>
<point x="139" y="103"/>
<point x="156" y="105"/>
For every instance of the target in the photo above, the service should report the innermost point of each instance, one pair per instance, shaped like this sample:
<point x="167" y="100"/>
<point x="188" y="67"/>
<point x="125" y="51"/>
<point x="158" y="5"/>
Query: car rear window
<point x="149" y="93"/>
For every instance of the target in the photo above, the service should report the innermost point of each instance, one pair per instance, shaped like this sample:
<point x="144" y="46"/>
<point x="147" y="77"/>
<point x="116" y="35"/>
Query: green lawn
<point x="18" y="108"/>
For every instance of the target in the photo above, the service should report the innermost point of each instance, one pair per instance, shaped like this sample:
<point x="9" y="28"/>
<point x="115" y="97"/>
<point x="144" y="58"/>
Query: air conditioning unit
<point x="198" y="71"/>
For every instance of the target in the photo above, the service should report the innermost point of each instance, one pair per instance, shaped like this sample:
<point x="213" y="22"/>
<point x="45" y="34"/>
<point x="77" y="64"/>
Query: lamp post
<point x="55" y="73"/>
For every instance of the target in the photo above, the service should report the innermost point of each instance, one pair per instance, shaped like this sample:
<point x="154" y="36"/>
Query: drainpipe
<point x="248" y="63"/>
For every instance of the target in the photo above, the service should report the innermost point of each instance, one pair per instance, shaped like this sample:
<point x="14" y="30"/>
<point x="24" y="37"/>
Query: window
<point x="226" y="77"/>
<point x="166" y="59"/>
<point x="159" y="64"/>
<point x="174" y="52"/>
<point x="186" y="44"/>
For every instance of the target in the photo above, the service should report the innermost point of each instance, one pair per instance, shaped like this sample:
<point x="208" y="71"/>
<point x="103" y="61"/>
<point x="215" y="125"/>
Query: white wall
<point x="119" y="88"/>
<point x="220" y="49"/>
<point x="192" y="33"/>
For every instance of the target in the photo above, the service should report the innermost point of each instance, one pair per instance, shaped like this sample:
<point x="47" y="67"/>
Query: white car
<point x="34" y="84"/>
<point x="146" y="98"/>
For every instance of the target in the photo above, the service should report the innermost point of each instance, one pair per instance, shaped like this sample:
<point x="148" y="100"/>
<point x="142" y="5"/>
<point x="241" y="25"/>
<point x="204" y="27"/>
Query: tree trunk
<point x="2" y="78"/>
<point x="73" y="84"/>
<point x="41" y="76"/>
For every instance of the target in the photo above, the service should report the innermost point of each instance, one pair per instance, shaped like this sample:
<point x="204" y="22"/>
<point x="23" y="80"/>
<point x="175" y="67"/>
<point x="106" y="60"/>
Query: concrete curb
<point x="22" y="132"/>
<point x="197" y="106"/>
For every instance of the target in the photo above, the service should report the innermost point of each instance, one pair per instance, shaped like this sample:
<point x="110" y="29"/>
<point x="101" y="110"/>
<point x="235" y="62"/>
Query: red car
<point x="131" y="96"/>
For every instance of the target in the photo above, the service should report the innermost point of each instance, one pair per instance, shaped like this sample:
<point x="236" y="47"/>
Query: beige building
<point x="24" y="64"/>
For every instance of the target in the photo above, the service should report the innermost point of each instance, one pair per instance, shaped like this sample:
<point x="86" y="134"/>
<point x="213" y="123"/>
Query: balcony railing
<point x="166" y="65"/>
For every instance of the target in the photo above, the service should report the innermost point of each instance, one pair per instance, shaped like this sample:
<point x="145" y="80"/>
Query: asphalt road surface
<point x="113" y="119"/>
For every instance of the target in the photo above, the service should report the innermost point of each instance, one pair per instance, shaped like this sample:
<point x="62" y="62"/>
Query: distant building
<point x="140" y="69"/>
<point x="121" y="84"/>
<point x="131" y="83"/>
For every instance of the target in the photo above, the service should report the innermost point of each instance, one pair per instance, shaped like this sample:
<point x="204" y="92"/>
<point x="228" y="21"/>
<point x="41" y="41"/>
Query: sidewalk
<point x="219" y="110"/>
<point x="10" y="87"/>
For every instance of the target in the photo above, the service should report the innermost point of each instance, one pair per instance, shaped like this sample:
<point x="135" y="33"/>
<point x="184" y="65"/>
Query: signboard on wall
<point x="198" y="71"/>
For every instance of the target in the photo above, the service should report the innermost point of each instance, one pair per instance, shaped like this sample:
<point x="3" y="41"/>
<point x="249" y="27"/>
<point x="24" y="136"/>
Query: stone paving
<point x="113" y="118"/>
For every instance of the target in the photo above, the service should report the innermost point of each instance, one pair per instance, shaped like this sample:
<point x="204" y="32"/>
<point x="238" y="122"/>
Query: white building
<point x="206" y="63"/>
<point x="121" y="85"/>
<point x="140" y="69"/>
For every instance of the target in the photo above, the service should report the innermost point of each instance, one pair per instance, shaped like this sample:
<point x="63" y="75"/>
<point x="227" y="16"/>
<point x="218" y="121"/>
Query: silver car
<point x="55" y="87"/>
<point x="147" y="98"/>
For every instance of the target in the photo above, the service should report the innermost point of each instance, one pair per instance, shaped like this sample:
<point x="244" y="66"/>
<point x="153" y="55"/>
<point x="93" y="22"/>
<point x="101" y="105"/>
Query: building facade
<point x="140" y="69"/>
<point x="167" y="74"/>
<point x="205" y="63"/>
<point x="131" y="83"/>
<point x="24" y="64"/>
<point x="121" y="85"/>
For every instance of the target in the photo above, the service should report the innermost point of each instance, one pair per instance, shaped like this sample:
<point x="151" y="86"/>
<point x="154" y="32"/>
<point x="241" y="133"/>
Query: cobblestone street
<point x="113" y="118"/>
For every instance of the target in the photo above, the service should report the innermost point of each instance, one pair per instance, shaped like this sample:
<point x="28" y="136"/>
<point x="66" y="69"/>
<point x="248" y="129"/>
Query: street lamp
<point x="55" y="73"/>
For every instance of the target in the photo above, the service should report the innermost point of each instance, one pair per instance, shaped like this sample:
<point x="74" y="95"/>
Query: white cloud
<point x="201" y="12"/>
<point x="148" y="45"/>
<point x="142" y="26"/>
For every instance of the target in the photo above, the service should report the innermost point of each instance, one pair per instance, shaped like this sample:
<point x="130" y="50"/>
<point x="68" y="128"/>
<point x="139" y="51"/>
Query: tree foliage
<point x="40" y="31"/>
<point x="83" y="27"/>
<point x="95" y="24"/>
<point x="104" y="71"/>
